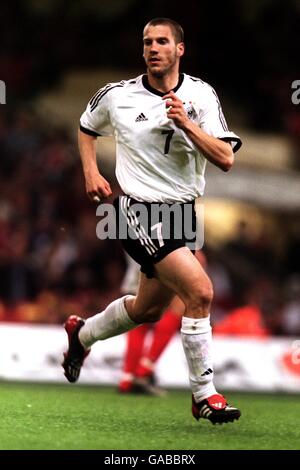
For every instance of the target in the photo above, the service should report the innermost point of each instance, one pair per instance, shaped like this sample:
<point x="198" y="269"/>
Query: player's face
<point x="161" y="53"/>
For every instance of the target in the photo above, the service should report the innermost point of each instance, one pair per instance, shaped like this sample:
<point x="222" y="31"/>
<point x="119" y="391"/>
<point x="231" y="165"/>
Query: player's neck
<point x="165" y="83"/>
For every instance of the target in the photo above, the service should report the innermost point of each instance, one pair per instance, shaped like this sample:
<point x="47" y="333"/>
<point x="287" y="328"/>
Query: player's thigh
<point x="152" y="299"/>
<point x="181" y="272"/>
<point x="200" y="256"/>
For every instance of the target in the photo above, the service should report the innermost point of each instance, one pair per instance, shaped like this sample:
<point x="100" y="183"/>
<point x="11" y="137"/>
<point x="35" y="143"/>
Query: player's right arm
<point x="95" y="184"/>
<point x="94" y="122"/>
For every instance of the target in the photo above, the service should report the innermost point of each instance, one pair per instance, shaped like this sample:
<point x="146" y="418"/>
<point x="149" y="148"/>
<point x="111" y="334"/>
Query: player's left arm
<point x="215" y="150"/>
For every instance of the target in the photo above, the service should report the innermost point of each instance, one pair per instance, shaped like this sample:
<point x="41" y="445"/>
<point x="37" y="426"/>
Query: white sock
<point x="113" y="321"/>
<point x="197" y="344"/>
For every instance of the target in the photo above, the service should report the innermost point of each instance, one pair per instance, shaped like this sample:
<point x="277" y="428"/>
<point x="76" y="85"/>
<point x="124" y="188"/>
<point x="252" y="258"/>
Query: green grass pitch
<point x="55" y="417"/>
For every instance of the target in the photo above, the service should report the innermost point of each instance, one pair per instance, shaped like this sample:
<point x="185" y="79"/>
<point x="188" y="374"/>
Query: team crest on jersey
<point x="190" y="111"/>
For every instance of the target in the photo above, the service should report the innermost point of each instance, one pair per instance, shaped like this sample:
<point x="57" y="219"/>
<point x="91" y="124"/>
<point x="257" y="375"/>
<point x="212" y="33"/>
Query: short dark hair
<point x="175" y="27"/>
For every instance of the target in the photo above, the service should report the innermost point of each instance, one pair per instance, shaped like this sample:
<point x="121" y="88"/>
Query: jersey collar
<point x="157" y="92"/>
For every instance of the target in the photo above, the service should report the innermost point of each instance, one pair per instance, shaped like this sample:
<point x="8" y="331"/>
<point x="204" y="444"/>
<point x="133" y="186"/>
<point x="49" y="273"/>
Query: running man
<point x="167" y="124"/>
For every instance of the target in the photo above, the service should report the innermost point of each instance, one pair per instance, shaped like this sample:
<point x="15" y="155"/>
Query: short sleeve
<point x="213" y="122"/>
<point x="96" y="120"/>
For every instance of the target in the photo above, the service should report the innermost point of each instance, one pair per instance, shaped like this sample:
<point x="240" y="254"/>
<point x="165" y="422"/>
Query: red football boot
<point x="75" y="355"/>
<point x="215" y="409"/>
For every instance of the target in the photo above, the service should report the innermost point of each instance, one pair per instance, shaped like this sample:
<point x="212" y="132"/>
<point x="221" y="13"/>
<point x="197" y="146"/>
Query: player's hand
<point x="175" y="110"/>
<point x="97" y="187"/>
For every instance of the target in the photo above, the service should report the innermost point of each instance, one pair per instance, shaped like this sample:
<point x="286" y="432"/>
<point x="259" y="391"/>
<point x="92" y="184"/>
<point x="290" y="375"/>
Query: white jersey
<point x="155" y="160"/>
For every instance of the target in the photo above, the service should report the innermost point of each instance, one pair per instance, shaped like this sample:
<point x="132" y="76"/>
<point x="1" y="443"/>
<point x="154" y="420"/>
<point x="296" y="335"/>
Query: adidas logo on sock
<point x="207" y="372"/>
<point x="141" y="117"/>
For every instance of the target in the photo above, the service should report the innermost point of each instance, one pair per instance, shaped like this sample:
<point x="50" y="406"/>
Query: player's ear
<point x="180" y="49"/>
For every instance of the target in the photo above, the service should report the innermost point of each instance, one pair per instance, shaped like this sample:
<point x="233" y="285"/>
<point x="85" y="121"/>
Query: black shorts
<point x="150" y="231"/>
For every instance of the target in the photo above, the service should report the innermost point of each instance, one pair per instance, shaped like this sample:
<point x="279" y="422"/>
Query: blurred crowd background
<point x="51" y="263"/>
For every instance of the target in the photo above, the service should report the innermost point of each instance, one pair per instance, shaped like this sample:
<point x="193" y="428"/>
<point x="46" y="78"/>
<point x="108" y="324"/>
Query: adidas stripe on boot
<point x="215" y="409"/>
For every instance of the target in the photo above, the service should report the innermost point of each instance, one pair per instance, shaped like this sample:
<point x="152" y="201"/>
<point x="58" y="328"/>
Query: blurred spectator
<point x="260" y="316"/>
<point x="243" y="321"/>
<point x="292" y="255"/>
<point x="291" y="309"/>
<point x="17" y="276"/>
<point x="48" y="245"/>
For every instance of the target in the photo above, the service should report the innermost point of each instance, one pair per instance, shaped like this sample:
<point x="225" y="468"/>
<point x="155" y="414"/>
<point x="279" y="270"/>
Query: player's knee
<point x="201" y="296"/>
<point x="207" y="293"/>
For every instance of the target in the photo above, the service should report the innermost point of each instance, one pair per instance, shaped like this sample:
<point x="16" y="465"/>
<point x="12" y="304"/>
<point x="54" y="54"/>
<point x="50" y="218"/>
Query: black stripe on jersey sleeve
<point x="103" y="93"/>
<point x="194" y="79"/>
<point x="94" y="98"/>
<point x="233" y="139"/>
<point x="88" y="131"/>
<point x="221" y="115"/>
<point x="102" y="90"/>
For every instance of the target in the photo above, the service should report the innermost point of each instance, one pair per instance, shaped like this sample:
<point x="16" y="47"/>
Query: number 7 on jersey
<point x="168" y="140"/>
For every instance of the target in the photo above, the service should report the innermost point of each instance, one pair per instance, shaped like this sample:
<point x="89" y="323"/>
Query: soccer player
<point x="167" y="124"/>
